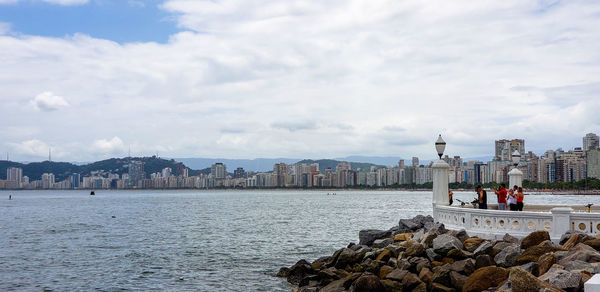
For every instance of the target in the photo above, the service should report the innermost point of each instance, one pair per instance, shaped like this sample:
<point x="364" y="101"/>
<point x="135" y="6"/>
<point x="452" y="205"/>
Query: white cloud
<point x="8" y="1"/>
<point x="67" y="2"/>
<point x="33" y="147"/>
<point x="112" y="146"/>
<point x="47" y="101"/>
<point x="4" y="27"/>
<point x="317" y="79"/>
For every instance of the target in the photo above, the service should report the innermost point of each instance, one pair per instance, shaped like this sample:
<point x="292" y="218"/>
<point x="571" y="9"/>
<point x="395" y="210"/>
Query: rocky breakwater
<point x="420" y="255"/>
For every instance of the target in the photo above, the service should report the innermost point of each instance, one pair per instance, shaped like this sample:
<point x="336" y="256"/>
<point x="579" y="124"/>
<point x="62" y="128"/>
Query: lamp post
<point x="515" y="176"/>
<point x="440" y="176"/>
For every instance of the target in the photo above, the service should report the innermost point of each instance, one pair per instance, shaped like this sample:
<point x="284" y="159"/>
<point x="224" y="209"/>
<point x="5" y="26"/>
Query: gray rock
<point x="439" y="227"/>
<point x="428" y="238"/>
<point x="578" y="265"/>
<point x="568" y="235"/>
<point x="349" y="257"/>
<point x="432" y="256"/>
<point x="508" y="256"/>
<point x="442" y="275"/>
<point x="367" y="283"/>
<point x="461" y="235"/>
<point x="379" y="243"/>
<point x="563" y="279"/>
<point x="418" y="236"/>
<point x="580" y="252"/>
<point x="465" y="267"/>
<point x="368" y="236"/>
<point x="510" y="239"/>
<point x="531" y="267"/>
<point x="457" y="280"/>
<point x="484" y="248"/>
<point x="418" y="222"/>
<point x="444" y="243"/>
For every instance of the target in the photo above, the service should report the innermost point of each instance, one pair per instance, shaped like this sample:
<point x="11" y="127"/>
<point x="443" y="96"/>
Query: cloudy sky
<point x="302" y="79"/>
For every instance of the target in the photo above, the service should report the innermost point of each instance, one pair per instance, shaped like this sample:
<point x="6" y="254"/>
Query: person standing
<point x="450" y="194"/>
<point x="482" y="197"/>
<point x="501" y="194"/>
<point x="520" y="197"/>
<point x="512" y="200"/>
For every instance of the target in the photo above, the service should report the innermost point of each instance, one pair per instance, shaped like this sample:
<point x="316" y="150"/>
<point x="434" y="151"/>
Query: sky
<point x="93" y="79"/>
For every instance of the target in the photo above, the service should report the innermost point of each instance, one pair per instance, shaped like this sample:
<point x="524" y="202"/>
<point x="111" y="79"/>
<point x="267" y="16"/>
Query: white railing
<point x="490" y="223"/>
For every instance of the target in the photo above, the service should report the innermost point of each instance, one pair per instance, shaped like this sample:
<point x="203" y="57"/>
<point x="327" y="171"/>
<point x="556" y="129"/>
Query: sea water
<point x="189" y="240"/>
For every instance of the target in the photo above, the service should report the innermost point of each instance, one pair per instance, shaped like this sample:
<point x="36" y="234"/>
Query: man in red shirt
<point x="501" y="193"/>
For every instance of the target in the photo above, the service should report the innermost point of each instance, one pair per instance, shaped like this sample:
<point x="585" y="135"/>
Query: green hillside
<point x="330" y="163"/>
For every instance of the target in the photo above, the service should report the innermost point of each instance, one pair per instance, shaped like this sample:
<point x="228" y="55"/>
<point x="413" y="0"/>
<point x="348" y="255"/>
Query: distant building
<point x="415" y="161"/>
<point x="590" y="141"/>
<point x="48" y="180"/>
<point x="166" y="172"/>
<point x="280" y="173"/>
<point x="14" y="174"/>
<point x="401" y="163"/>
<point x="593" y="163"/>
<point x="218" y="170"/>
<point x="239" y="172"/>
<point x="75" y="181"/>
<point x="505" y="148"/>
<point x="136" y="173"/>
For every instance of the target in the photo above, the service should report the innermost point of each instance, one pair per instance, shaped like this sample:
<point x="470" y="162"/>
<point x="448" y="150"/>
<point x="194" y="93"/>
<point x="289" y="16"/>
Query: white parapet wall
<point x="493" y="224"/>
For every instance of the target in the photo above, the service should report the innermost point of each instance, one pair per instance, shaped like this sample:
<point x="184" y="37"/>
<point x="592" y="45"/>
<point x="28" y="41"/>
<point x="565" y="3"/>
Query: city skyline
<point x="93" y="79"/>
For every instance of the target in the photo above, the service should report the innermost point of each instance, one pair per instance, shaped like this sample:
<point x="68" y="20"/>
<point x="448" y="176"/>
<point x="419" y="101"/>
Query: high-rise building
<point x="48" y="180"/>
<point x="415" y="161"/>
<point x="505" y="148"/>
<point x="401" y="163"/>
<point x="75" y="180"/>
<point x="136" y="173"/>
<point x="239" y="172"/>
<point x="280" y="173"/>
<point x="166" y="172"/>
<point x="218" y="170"/>
<point x="14" y="174"/>
<point x="593" y="163"/>
<point x="590" y="141"/>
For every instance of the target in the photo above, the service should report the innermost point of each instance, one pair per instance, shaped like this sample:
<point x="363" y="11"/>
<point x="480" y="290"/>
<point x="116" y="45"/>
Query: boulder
<point x="545" y="262"/>
<point x="484" y="260"/>
<point x="383" y="242"/>
<point x="367" y="283"/>
<point x="392" y="286"/>
<point x="484" y="248"/>
<point x="428" y="238"/>
<point x="563" y="279"/>
<point x="510" y="239"/>
<point x="445" y="243"/>
<point x="384" y="256"/>
<point x="465" y="267"/>
<point x="508" y="256"/>
<point x="470" y="244"/>
<point x="581" y="252"/>
<point x="572" y="241"/>
<point x="460" y="234"/>
<point x="437" y="287"/>
<point x="310" y="281"/>
<point x="533" y="253"/>
<point x="332" y="273"/>
<point x="565" y="237"/>
<point x="431" y="255"/>
<point x="411" y="281"/>
<point x="402" y="236"/>
<point x="349" y="257"/>
<point x="426" y="275"/>
<point x="532" y="268"/>
<point x="594" y="243"/>
<point x="457" y="280"/>
<point x="368" y="236"/>
<point x="522" y="281"/>
<point x="341" y="284"/>
<point x="397" y="275"/>
<point x="577" y="266"/>
<point x="439" y="227"/>
<point x="418" y="263"/>
<point x="283" y="272"/>
<point x="442" y="275"/>
<point x="459" y="254"/>
<point x="534" y="238"/>
<point x="416" y="249"/>
<point x="485" y="278"/>
<point x="298" y="271"/>
<point x="384" y="271"/>
<point x="418" y="222"/>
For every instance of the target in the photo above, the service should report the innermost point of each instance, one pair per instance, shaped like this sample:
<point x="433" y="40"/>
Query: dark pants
<point x="519" y="206"/>
<point x="482" y="206"/>
<point x="513" y="207"/>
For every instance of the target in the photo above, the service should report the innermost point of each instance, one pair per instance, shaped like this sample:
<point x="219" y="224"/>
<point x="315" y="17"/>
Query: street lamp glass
<point x="516" y="157"/>
<point x="440" y="146"/>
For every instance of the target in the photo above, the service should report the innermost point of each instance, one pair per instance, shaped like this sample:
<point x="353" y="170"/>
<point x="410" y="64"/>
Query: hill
<point x="62" y="170"/>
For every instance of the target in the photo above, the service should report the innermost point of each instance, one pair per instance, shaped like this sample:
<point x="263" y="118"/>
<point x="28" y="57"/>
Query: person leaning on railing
<point x="481" y="197"/>
<point x="520" y="197"/>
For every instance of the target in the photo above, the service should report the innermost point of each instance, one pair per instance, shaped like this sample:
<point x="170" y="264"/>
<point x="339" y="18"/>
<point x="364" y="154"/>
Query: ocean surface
<point x="189" y="240"/>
